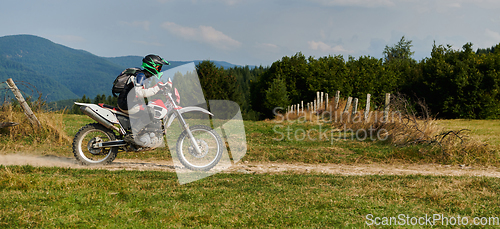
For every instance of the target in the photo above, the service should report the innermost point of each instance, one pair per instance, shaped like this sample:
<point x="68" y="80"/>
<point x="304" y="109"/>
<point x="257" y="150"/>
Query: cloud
<point x="326" y="48"/>
<point x="227" y="2"/>
<point x="362" y="3"/>
<point x="203" y="34"/>
<point x="141" y="24"/>
<point x="482" y="3"/>
<point x="266" y="46"/>
<point x="492" y="34"/>
<point x="149" y="43"/>
<point x="455" y="5"/>
<point x="230" y="2"/>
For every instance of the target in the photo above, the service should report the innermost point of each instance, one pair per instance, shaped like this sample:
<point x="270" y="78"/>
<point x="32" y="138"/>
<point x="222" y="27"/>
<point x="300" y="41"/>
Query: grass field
<point x="309" y="143"/>
<point x="487" y="131"/>
<point x="60" y="197"/>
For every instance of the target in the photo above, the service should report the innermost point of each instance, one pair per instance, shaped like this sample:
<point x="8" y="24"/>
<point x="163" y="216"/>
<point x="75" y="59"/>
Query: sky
<point x="253" y="32"/>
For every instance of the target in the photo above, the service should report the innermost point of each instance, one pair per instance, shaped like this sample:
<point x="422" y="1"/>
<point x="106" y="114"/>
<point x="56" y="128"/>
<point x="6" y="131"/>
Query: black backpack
<point x="121" y="80"/>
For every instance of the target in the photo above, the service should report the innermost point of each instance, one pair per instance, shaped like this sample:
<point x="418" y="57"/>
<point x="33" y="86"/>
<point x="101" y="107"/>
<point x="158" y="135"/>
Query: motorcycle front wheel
<point x="210" y="145"/>
<point x="83" y="143"/>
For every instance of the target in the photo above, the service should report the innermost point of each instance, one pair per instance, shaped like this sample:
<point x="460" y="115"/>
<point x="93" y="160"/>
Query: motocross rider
<point x="139" y="113"/>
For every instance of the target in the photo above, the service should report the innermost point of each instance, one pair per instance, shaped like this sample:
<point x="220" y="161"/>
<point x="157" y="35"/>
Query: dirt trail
<point x="265" y="167"/>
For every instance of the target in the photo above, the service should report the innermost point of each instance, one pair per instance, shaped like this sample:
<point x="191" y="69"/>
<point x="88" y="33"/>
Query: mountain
<point x="78" y="71"/>
<point x="60" y="72"/>
<point x="31" y="82"/>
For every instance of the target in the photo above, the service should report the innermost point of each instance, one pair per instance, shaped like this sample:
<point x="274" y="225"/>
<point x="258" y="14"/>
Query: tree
<point x="488" y="50"/>
<point x="461" y="84"/>
<point x="76" y="109"/>
<point x="327" y="74"/>
<point x="245" y="77"/>
<point x="216" y="83"/>
<point x="276" y="94"/>
<point x="400" y="69"/>
<point x="293" y="71"/>
<point x="400" y="51"/>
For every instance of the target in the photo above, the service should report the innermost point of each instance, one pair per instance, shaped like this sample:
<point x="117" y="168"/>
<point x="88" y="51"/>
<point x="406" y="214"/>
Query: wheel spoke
<point x="85" y="141"/>
<point x="209" y="144"/>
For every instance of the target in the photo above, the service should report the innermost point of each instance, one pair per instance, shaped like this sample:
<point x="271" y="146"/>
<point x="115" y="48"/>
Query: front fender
<point x="185" y="110"/>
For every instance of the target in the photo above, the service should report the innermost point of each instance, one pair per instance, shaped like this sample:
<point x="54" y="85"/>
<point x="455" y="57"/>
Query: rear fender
<point x="104" y="113"/>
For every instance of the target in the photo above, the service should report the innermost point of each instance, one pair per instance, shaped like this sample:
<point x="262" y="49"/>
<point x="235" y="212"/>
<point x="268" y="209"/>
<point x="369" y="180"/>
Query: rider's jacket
<point x="136" y="90"/>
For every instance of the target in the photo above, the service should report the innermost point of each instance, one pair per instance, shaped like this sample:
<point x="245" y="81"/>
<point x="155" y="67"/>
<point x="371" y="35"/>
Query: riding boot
<point x="129" y="138"/>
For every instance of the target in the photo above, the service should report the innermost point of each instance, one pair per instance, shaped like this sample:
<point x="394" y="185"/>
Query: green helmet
<point x="153" y="63"/>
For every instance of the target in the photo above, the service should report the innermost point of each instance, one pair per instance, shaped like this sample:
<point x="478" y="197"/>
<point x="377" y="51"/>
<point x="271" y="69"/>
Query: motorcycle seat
<point x="108" y="107"/>
<point x="112" y="108"/>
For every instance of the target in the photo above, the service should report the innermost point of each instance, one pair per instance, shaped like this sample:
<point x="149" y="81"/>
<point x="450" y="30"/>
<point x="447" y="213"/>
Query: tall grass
<point x="404" y="125"/>
<point x="27" y="137"/>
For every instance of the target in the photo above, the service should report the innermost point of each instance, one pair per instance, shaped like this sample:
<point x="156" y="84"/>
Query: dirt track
<point x="250" y="168"/>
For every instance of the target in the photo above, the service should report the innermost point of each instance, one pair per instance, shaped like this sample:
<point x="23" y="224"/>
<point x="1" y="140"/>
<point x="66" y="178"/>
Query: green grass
<point x="269" y="141"/>
<point x="79" y="198"/>
<point x="44" y="197"/>
<point x="262" y="146"/>
<point x="309" y="143"/>
<point x="487" y="131"/>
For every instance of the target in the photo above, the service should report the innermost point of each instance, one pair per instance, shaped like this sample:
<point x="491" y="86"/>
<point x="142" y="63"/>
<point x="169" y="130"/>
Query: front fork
<point x="185" y="126"/>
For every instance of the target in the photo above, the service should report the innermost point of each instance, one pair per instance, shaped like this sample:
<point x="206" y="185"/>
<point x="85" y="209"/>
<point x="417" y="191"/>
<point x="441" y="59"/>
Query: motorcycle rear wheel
<point x="83" y="150"/>
<point x="210" y="145"/>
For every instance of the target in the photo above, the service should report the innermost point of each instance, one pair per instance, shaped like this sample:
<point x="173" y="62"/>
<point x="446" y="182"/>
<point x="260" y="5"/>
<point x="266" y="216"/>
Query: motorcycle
<point x="198" y="147"/>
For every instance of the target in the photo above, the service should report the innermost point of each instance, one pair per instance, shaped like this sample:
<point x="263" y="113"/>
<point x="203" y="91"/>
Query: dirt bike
<point x="198" y="147"/>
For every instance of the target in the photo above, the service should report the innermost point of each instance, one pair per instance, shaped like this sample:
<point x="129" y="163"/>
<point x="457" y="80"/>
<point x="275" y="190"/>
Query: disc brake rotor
<point x="203" y="149"/>
<point x="91" y="148"/>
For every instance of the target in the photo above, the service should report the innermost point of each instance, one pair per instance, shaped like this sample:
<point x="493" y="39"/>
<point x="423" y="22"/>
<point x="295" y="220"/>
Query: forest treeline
<point x="453" y="83"/>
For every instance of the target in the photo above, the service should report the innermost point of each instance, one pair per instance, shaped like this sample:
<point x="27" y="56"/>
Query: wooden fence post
<point x="348" y="105"/>
<point x="337" y="97"/>
<point x="317" y="100"/>
<point x="326" y="105"/>
<point x="355" y="107"/>
<point x="321" y="100"/>
<point x="27" y="110"/>
<point x="367" y="109"/>
<point x="387" y="102"/>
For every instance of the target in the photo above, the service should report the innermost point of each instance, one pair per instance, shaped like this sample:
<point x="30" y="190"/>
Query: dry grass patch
<point x="405" y="125"/>
<point x="26" y="137"/>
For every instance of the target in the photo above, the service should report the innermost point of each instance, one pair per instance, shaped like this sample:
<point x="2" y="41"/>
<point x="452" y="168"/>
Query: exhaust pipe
<point x="89" y="112"/>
